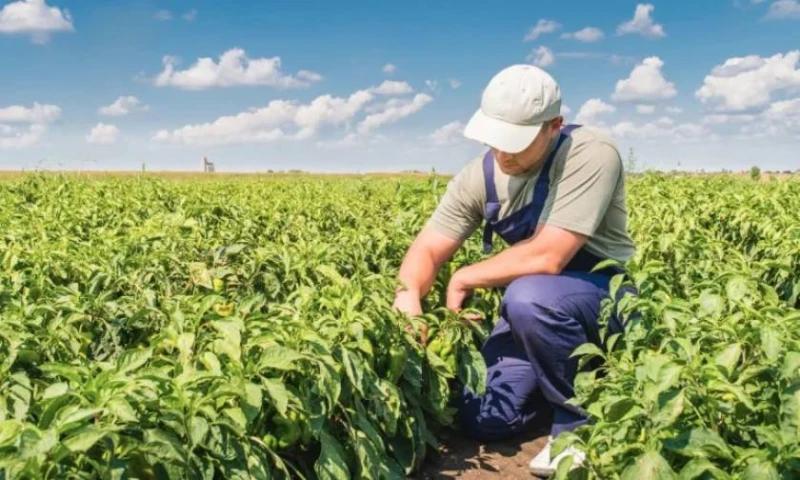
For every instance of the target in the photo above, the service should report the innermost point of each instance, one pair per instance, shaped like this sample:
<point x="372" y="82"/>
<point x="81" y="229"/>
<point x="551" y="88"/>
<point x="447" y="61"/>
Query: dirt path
<point x="466" y="459"/>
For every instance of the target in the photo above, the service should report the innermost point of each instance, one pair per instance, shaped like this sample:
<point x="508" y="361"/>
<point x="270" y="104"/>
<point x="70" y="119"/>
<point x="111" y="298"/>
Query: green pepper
<point x="288" y="430"/>
<point x="398" y="356"/>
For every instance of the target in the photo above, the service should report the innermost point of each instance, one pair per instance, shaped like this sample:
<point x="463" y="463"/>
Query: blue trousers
<point x="543" y="319"/>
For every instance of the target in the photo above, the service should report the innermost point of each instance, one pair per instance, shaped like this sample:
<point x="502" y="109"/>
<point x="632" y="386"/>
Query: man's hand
<point x="407" y="302"/>
<point x="457" y="293"/>
<point x="410" y="304"/>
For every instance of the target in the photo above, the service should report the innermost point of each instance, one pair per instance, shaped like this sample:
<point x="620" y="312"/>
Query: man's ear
<point x="554" y="126"/>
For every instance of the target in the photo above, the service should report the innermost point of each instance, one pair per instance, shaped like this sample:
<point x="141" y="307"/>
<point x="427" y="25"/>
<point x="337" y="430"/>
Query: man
<point x="556" y="195"/>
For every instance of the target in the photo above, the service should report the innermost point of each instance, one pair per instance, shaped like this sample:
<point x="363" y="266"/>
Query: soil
<point x="467" y="459"/>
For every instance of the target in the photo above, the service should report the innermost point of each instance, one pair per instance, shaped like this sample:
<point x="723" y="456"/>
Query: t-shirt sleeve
<point x="460" y="210"/>
<point x="585" y="190"/>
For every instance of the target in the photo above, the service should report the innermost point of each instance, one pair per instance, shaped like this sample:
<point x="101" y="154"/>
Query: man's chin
<point x="512" y="170"/>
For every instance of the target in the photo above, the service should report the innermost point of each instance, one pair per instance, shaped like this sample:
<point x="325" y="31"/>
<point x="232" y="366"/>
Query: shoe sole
<point x="541" y="473"/>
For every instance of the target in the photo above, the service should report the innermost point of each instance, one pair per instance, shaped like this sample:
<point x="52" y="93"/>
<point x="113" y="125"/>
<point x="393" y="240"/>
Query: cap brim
<point x="504" y="136"/>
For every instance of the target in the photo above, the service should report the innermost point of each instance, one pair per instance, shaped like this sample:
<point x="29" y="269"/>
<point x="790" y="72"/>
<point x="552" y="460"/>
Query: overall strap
<point x="542" y="188"/>
<point x="492" y="207"/>
<point x="540" y="192"/>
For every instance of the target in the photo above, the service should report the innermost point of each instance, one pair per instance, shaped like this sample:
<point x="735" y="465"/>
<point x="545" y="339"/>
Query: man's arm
<point x="426" y="255"/>
<point x="548" y="251"/>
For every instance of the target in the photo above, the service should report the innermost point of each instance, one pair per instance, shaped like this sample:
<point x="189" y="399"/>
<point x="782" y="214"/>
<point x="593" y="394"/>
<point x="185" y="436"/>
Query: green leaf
<point x="55" y="390"/>
<point x="670" y="407"/>
<point x="35" y="443"/>
<point x="279" y="358"/>
<point x="132" y="359"/>
<point x="700" y="442"/>
<point x="791" y="366"/>
<point x="84" y="438"/>
<point x="649" y="466"/>
<point x="770" y="343"/>
<point x="588" y="350"/>
<point x="9" y="430"/>
<point x="353" y="369"/>
<point x="198" y="429"/>
<point x="72" y="416"/>
<point x="331" y="463"/>
<point x="472" y="371"/>
<point x="623" y="409"/>
<point x="237" y="415"/>
<point x="728" y="358"/>
<point x="737" y="288"/>
<point x="252" y="401"/>
<point x="760" y="470"/>
<point x="278" y="393"/>
<point x="711" y="304"/>
<point x="701" y="467"/>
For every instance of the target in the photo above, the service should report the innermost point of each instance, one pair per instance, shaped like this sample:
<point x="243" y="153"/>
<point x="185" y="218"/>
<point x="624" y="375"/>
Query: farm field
<point x="241" y="327"/>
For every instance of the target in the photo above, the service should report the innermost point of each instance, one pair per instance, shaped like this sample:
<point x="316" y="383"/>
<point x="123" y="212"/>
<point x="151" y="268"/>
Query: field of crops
<point x="242" y="328"/>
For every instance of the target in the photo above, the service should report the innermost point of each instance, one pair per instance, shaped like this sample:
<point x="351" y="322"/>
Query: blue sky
<point x="376" y="86"/>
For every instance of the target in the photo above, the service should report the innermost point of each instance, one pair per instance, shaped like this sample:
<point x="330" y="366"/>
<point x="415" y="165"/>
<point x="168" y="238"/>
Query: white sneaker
<point x="542" y="466"/>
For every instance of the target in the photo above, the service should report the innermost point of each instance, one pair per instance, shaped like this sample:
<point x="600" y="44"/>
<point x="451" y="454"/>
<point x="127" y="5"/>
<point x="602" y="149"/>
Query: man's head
<point x="520" y="114"/>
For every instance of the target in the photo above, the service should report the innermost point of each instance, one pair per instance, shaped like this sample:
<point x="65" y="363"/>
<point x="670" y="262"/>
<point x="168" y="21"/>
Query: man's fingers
<point x="475" y="317"/>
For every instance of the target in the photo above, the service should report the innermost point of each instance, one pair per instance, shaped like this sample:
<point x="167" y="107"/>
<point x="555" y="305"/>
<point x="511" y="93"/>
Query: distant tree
<point x="755" y="173"/>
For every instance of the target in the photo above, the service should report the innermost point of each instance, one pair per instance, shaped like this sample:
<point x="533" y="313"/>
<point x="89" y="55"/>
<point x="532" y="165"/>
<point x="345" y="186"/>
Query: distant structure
<point x="208" y="167"/>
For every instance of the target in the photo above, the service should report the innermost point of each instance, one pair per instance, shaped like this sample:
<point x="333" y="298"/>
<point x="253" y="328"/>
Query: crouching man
<point x="555" y="194"/>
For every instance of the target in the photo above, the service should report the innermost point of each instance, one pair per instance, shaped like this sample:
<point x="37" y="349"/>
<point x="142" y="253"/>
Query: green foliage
<point x="218" y="328"/>
<point x="755" y="173"/>
<point x="242" y="328"/>
<point x="705" y="382"/>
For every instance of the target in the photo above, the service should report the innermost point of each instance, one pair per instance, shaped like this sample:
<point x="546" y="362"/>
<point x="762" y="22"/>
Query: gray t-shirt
<point x="587" y="195"/>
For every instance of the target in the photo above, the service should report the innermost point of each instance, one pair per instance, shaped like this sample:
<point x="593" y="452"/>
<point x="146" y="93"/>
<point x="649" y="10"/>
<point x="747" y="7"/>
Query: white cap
<point x="514" y="105"/>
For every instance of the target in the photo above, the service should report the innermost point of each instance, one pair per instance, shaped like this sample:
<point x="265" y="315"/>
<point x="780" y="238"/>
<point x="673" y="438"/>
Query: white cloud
<point x="725" y="118"/>
<point x="642" y="23"/>
<point x="391" y="87"/>
<point x="785" y="113"/>
<point x="588" y="34"/>
<point x="742" y="83"/>
<point x="780" y="119"/>
<point x="123" y="106"/>
<point x="646" y="83"/>
<point x="190" y="16"/>
<point x="36" y="18"/>
<point x="389" y="68"/>
<point x="13" y="139"/>
<point x="663" y="128"/>
<point x="433" y="85"/>
<point x="454" y="83"/>
<point x="448" y="134"/>
<point x="542" y="26"/>
<point x="36" y="114"/>
<point x="163" y="15"/>
<point x="103" y="134"/>
<point x="591" y="111"/>
<point x="565" y="110"/>
<point x="234" y="69"/>
<point x="395" y="110"/>
<point x="674" y="110"/>
<point x="274" y="122"/>
<point x="781" y="9"/>
<point x="645" y="109"/>
<point x="541" y="57"/>
<point x="352" y="140"/>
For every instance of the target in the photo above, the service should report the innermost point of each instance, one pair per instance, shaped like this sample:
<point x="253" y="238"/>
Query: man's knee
<point x="493" y="416"/>
<point x="525" y="300"/>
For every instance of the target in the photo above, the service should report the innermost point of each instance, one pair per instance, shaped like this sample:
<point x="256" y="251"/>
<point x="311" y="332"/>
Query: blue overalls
<point x="542" y="319"/>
